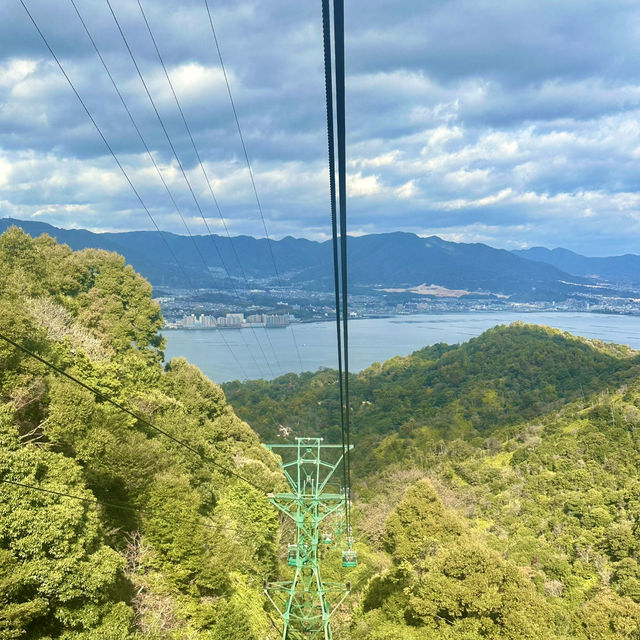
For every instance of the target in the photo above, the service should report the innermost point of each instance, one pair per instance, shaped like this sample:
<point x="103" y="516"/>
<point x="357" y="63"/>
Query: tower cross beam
<point x="306" y="604"/>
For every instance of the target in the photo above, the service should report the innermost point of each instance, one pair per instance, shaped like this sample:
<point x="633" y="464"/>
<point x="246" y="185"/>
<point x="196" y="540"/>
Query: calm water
<point x="370" y="340"/>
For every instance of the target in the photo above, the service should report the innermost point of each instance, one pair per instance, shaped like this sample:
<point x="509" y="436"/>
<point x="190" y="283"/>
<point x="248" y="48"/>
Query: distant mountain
<point x="617" y="269"/>
<point x="404" y="259"/>
<point x="379" y="261"/>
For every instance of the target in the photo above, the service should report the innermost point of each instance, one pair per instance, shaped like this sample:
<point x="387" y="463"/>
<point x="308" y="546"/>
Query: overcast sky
<point x="512" y="123"/>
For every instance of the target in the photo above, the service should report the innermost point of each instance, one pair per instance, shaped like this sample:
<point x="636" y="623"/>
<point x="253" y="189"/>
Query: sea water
<point x="231" y="354"/>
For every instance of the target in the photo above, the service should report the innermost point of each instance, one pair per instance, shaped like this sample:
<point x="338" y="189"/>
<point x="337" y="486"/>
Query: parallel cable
<point x="111" y="151"/>
<point x="157" y="168"/>
<point x="206" y="177"/>
<point x="122" y="169"/>
<point x="102" y="503"/>
<point x="175" y="154"/>
<point x="338" y="29"/>
<point x="340" y="135"/>
<point x="328" y="83"/>
<point x="248" y="163"/>
<point x="138" y="417"/>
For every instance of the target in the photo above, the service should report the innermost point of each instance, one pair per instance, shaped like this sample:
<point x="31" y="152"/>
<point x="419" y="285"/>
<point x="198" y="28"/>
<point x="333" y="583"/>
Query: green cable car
<point x="350" y="555"/>
<point x="292" y="555"/>
<point x="350" y="558"/>
<point x="326" y="538"/>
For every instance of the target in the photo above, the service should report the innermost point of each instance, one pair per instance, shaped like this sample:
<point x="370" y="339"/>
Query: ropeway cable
<point x="175" y="154"/>
<point x="328" y="81"/>
<point x="95" y="124"/>
<point x="208" y="181"/>
<point x="338" y="30"/>
<point x="153" y="160"/>
<point x="248" y="163"/>
<point x="334" y="55"/>
<point x="120" y="166"/>
<point x="138" y="417"/>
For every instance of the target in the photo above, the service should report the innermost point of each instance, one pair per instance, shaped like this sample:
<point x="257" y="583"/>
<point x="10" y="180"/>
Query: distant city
<point x="232" y="321"/>
<point x="221" y="309"/>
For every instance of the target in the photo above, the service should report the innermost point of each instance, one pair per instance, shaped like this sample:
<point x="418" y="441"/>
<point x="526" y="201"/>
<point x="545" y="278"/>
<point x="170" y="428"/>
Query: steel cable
<point x="138" y="417"/>
<point x="248" y="163"/>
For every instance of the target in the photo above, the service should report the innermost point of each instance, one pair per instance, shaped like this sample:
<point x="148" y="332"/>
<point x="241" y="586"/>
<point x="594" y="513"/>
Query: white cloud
<point x="5" y="172"/>
<point x="509" y="116"/>
<point x="16" y="70"/>
<point x="383" y="160"/>
<point x="480" y="202"/>
<point x="193" y="83"/>
<point x="441" y="135"/>
<point x="407" y="191"/>
<point x="359" y="185"/>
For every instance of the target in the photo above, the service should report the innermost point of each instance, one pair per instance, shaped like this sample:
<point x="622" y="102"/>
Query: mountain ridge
<point x="397" y="259"/>
<point x="624" y="269"/>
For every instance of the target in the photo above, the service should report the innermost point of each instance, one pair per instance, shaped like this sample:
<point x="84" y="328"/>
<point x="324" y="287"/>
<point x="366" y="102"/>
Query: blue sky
<point x="511" y="123"/>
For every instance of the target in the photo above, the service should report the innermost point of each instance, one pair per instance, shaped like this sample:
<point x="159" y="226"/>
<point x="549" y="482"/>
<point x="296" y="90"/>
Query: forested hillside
<point x="505" y="377"/>
<point x="184" y="553"/>
<point x="533" y="537"/>
<point x="497" y="483"/>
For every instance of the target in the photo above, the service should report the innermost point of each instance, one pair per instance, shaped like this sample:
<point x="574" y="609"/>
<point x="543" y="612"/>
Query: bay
<point x="267" y="353"/>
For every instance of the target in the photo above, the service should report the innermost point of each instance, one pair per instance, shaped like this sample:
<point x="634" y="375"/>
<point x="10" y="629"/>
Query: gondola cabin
<point x="292" y="555"/>
<point x="349" y="558"/>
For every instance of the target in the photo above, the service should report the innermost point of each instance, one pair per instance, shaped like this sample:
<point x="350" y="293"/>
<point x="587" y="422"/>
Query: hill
<point x="176" y="547"/>
<point x="504" y="377"/>
<point x="616" y="269"/>
<point x="389" y="260"/>
<point x="530" y="537"/>
<point x="496" y="486"/>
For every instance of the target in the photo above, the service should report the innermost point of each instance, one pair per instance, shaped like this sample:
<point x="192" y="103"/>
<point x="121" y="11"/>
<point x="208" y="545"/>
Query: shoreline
<point x="611" y="312"/>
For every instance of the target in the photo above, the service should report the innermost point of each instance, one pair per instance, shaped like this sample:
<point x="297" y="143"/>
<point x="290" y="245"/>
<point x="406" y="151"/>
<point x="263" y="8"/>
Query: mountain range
<point x="495" y="483"/>
<point x="623" y="269"/>
<point x="398" y="260"/>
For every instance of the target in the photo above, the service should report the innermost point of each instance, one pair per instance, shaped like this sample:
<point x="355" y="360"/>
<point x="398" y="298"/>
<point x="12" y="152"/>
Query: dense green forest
<point x="497" y="483"/>
<point x="188" y="559"/>
<point x="489" y="385"/>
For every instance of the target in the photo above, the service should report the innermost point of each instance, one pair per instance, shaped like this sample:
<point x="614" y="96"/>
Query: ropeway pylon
<point x="306" y="603"/>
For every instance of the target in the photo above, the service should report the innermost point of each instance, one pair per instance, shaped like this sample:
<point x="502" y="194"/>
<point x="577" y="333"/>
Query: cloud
<point x="359" y="185"/>
<point x="514" y="123"/>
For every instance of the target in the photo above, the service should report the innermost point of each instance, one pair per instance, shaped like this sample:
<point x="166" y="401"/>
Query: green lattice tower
<point x="306" y="603"/>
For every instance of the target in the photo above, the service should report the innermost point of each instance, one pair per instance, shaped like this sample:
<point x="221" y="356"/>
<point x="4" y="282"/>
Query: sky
<point x="514" y="123"/>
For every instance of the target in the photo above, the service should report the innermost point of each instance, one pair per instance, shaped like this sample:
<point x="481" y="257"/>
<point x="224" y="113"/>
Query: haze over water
<point x="371" y="340"/>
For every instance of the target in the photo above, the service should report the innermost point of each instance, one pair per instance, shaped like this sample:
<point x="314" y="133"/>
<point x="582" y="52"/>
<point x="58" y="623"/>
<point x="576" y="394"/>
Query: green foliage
<point x="420" y="524"/>
<point x="188" y="557"/>
<point x="555" y="506"/>
<point x="497" y="481"/>
<point x="448" y="582"/>
<point x="505" y="377"/>
<point x="66" y="577"/>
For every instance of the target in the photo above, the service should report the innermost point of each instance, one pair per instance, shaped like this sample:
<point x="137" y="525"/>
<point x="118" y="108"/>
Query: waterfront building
<point x="275" y="320"/>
